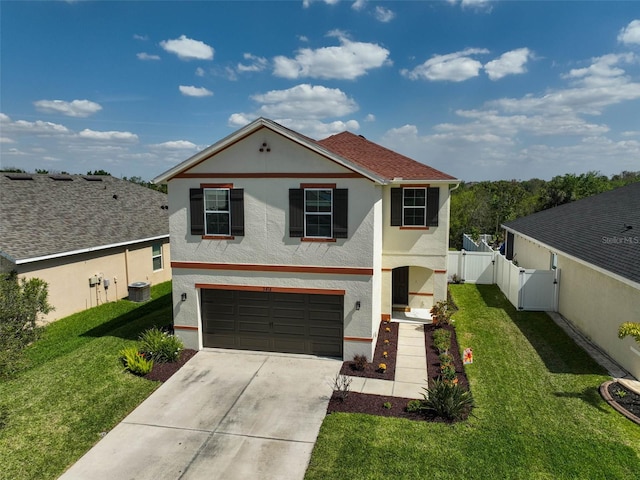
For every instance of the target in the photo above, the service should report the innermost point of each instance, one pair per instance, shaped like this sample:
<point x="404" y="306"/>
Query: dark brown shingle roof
<point x="45" y="216"/>
<point x="594" y="229"/>
<point x="380" y="160"/>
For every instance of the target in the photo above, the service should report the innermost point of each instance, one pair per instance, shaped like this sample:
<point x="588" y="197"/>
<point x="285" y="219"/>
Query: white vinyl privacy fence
<point x="526" y="289"/>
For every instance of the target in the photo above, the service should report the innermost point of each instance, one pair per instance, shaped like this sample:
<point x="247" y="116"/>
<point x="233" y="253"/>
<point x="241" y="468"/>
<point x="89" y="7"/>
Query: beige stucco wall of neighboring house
<point x="424" y="251"/>
<point x="68" y="277"/>
<point x="529" y="254"/>
<point x="597" y="303"/>
<point x="594" y="301"/>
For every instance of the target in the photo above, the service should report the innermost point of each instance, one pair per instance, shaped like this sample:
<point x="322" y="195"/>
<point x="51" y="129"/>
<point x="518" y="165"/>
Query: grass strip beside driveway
<point x="538" y="412"/>
<point x="75" y="387"/>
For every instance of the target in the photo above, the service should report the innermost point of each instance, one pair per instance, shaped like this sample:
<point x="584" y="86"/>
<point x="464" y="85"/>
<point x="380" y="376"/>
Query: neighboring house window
<point x="415" y="206"/>
<point x="156" y="256"/>
<point x="318" y="212"/>
<point x="217" y="211"/>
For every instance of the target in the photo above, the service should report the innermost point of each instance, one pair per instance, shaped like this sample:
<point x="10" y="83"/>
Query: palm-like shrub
<point x="447" y="400"/>
<point x="135" y="361"/>
<point x="160" y="346"/>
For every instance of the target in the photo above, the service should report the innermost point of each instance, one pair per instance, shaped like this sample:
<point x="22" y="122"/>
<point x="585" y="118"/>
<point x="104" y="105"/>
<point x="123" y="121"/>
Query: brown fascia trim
<point x="273" y="268"/>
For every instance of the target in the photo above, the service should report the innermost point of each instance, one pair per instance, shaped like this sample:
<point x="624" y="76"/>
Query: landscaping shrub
<point x="359" y="362"/>
<point x="447" y="400"/>
<point x="342" y="385"/>
<point x="159" y="346"/>
<point x="445" y="358"/>
<point x="135" y="361"/>
<point x="442" y="340"/>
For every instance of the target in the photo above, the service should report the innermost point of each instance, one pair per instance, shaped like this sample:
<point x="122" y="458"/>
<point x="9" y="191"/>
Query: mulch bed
<point x="625" y="401"/>
<point x="375" y="404"/>
<point x="371" y="369"/>
<point x="161" y="372"/>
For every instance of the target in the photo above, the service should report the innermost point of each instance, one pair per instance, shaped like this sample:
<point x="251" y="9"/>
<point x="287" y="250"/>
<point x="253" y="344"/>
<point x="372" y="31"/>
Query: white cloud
<point x="36" y="128"/>
<point x="630" y="34"/>
<point x="188" y="49"/>
<point x="238" y="120"/>
<point x="347" y="61"/>
<point x="370" y="118"/>
<point x="75" y="108"/>
<point x="508" y="63"/>
<point x="255" y="64"/>
<point x="199" y="72"/>
<point x="108" y="136"/>
<point x="145" y="56"/>
<point x="478" y="5"/>
<point x="305" y="101"/>
<point x="142" y="38"/>
<point x="384" y="15"/>
<point x="359" y="5"/>
<point x="455" y="67"/>
<point x="6" y="140"/>
<point x="307" y="3"/>
<point x="191" y="91"/>
<point x="175" y="145"/>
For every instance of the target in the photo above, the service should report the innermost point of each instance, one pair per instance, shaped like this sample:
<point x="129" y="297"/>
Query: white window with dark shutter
<point x="318" y="212"/>
<point x="415" y="206"/>
<point x="217" y="212"/>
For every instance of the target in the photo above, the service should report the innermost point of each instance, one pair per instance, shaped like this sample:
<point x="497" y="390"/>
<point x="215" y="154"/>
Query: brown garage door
<point x="273" y="321"/>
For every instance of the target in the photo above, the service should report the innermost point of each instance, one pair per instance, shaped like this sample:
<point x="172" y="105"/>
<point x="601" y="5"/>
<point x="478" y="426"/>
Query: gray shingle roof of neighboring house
<point x="603" y="230"/>
<point x="54" y="215"/>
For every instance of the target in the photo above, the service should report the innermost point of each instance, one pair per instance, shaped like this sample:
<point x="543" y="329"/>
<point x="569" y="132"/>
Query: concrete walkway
<point x="225" y="414"/>
<point x="411" y="367"/>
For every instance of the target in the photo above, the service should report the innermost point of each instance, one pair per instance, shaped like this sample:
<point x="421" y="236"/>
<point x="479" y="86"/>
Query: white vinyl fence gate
<point x="526" y="289"/>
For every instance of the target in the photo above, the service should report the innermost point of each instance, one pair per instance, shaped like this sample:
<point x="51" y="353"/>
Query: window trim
<point x="325" y="214"/>
<point x="228" y="211"/>
<point x="422" y="207"/>
<point x="159" y="255"/>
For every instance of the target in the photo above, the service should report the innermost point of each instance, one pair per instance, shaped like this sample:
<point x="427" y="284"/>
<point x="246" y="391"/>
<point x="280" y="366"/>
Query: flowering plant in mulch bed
<point x="433" y="355"/>
<point x="371" y="369"/>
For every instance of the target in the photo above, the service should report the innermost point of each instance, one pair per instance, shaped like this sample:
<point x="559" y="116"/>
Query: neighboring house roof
<point x="47" y="216"/>
<point x="353" y="152"/>
<point x="602" y="230"/>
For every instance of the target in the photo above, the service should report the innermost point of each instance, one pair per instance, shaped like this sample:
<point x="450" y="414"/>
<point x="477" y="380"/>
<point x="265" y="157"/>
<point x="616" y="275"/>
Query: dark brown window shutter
<point x="396" y="207"/>
<point x="433" y="206"/>
<point x="237" y="211"/>
<point x="296" y="212"/>
<point x="340" y="213"/>
<point x="196" y="200"/>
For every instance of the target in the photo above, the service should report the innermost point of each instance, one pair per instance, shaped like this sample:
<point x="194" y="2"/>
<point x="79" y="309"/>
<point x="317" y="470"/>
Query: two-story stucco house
<point x="283" y="243"/>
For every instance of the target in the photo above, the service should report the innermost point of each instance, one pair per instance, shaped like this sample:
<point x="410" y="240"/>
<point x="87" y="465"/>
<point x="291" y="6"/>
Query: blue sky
<point x="481" y="90"/>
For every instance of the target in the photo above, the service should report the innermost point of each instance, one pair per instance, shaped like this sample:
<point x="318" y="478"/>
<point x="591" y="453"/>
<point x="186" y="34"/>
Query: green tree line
<point x="481" y="207"/>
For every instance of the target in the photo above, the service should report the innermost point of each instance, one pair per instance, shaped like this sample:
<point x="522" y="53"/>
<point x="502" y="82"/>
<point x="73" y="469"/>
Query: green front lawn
<point x="74" y="388"/>
<point x="538" y="412"/>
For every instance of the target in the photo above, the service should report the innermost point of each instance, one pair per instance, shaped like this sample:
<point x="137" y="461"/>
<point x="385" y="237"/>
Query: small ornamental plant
<point x="387" y="405"/>
<point x="387" y="329"/>
<point x="385" y="354"/>
<point x="382" y="367"/>
<point x="386" y="342"/>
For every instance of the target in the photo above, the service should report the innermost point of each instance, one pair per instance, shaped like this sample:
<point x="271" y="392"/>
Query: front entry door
<point x="400" y="286"/>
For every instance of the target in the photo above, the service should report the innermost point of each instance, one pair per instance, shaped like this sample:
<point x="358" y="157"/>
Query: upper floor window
<point x="415" y="206"/>
<point x="217" y="211"/>
<point x="318" y="212"/>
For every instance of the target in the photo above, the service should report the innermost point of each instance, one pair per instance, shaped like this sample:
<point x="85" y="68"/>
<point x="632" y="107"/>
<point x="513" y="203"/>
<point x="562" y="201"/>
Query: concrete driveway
<point x="224" y="415"/>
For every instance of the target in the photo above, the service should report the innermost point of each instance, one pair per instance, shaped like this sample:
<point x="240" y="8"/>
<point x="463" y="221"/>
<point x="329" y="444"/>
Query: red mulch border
<point x="371" y="368"/>
<point x="161" y="372"/>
